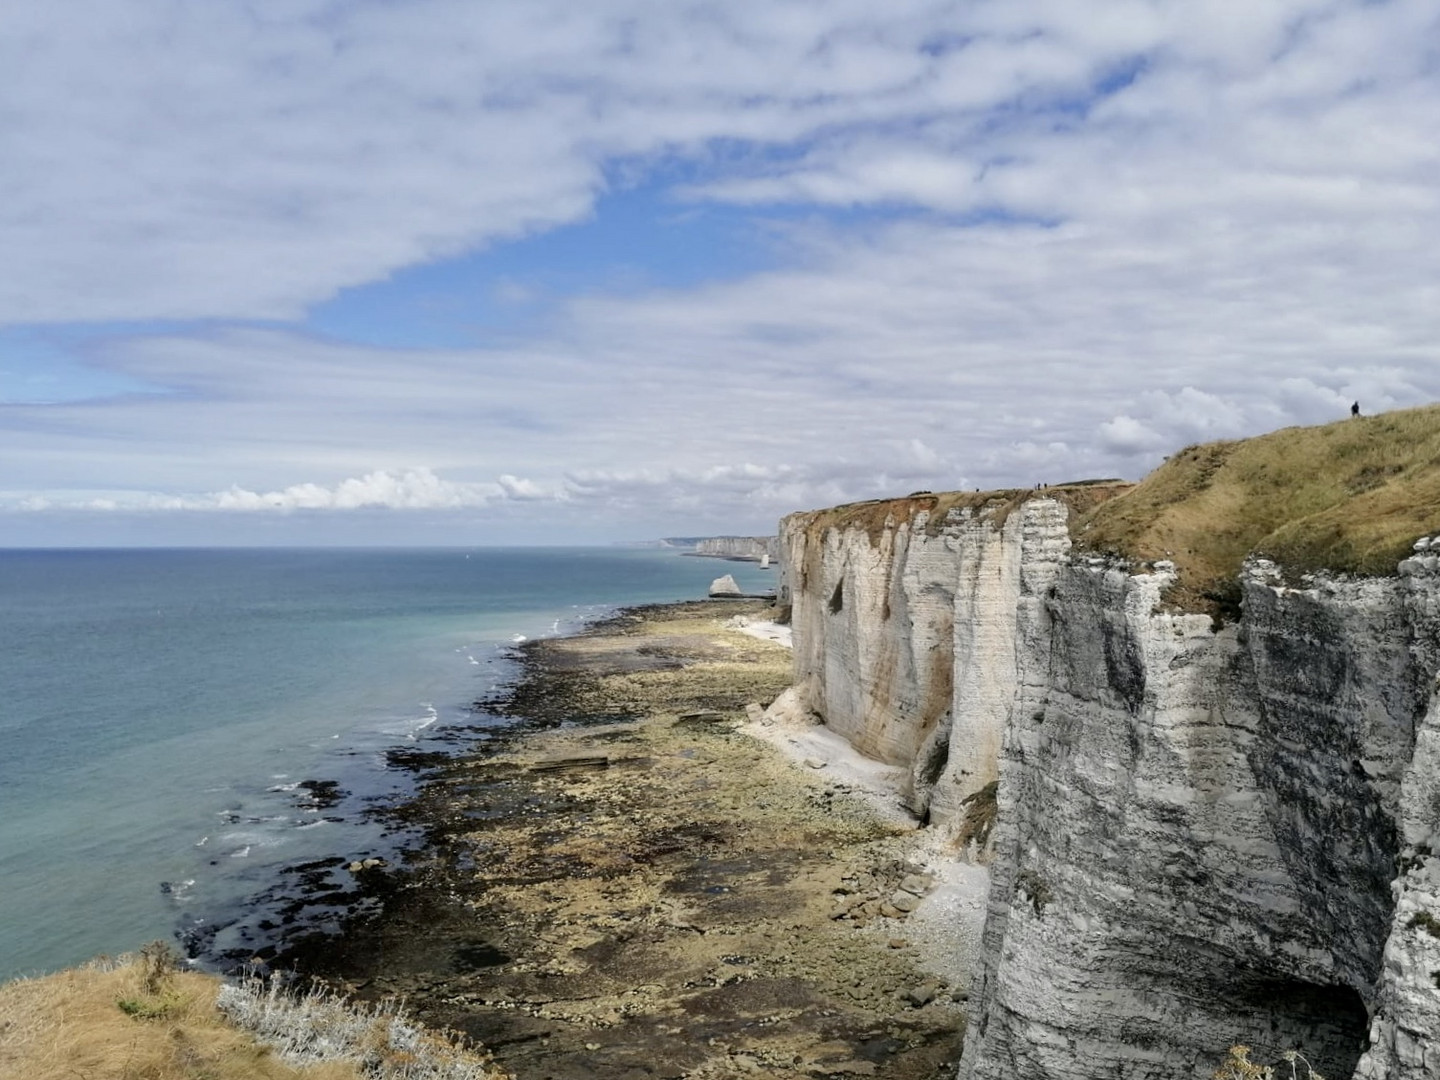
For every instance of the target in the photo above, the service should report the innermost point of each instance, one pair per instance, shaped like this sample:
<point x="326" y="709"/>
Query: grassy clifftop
<point x="1348" y="497"/>
<point x="139" y="1019"/>
<point x="872" y="516"/>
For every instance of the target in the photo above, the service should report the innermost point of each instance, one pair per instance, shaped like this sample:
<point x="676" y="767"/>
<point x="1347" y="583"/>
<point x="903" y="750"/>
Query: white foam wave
<point x="242" y="853"/>
<point x="253" y="838"/>
<point x="179" y="891"/>
<point x="517" y="638"/>
<point x="431" y="715"/>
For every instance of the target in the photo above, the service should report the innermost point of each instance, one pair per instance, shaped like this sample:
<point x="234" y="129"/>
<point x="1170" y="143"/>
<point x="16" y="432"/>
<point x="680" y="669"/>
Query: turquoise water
<point x="158" y="709"/>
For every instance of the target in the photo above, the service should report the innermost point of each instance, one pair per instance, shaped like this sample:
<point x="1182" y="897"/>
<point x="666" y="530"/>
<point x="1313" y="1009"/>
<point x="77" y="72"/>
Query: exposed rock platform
<point x="624" y="885"/>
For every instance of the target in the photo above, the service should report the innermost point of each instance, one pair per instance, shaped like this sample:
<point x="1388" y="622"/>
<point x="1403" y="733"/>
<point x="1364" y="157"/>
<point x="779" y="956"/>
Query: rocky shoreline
<point x="623" y="884"/>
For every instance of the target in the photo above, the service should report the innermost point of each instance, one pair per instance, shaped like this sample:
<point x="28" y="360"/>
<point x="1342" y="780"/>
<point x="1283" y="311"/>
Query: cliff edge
<point x="1193" y="726"/>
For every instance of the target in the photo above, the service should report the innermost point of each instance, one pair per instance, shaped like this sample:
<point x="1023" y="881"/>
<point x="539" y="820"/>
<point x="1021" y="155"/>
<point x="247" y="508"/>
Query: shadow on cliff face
<point x="1328" y="1024"/>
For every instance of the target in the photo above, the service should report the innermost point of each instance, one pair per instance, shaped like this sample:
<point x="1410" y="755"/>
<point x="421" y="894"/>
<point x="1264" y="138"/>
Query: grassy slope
<point x="1349" y="497"/>
<point x="71" y="1025"/>
<point x="103" y="1022"/>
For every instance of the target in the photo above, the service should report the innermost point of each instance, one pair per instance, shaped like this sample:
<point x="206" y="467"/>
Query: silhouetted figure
<point x="1355" y="409"/>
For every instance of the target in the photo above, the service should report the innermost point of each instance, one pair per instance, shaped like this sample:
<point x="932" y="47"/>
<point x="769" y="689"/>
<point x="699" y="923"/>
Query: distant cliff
<point x="744" y="548"/>
<point x="1212" y="728"/>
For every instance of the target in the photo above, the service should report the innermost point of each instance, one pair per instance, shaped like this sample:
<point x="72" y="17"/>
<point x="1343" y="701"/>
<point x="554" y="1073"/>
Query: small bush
<point x="321" y="1026"/>
<point x="981" y="810"/>
<point x="156" y="964"/>
<point x="1238" y="1066"/>
<point x="1423" y="920"/>
<point x="155" y="968"/>
<point x="1035" y="889"/>
<point x="155" y="1007"/>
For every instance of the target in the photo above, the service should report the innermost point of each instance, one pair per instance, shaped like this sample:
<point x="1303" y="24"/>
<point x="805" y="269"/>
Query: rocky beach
<point x="628" y="882"/>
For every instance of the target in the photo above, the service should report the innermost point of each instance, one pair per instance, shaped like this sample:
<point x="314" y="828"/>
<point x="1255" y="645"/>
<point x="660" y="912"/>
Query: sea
<point x="178" y="728"/>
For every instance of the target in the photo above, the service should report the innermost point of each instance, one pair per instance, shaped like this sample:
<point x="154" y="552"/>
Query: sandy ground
<point x="763" y="629"/>
<point x="947" y="927"/>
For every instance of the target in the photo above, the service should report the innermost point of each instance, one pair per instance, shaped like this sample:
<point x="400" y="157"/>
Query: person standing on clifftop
<point x="1355" y="409"/>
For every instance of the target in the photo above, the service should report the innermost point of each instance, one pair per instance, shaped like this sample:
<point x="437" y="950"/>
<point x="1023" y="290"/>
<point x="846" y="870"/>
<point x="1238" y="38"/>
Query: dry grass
<point x="1349" y="497"/>
<point x="874" y="515"/>
<point x="134" y="1019"/>
<point x="1238" y="1066"/>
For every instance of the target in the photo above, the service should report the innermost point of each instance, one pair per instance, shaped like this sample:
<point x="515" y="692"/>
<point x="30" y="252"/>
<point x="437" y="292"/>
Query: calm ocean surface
<point x="157" y="709"/>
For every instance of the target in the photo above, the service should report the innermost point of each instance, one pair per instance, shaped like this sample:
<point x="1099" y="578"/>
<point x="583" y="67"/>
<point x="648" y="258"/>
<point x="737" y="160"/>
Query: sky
<point x="567" y="271"/>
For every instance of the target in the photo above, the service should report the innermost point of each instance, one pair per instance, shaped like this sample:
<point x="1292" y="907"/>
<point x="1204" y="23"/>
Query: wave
<point x="178" y="891"/>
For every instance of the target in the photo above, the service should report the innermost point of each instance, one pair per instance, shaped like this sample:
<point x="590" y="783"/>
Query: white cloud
<point x="1236" y="236"/>
<point x="409" y="490"/>
<point x="1124" y="435"/>
<point x="515" y="487"/>
<point x="248" y="160"/>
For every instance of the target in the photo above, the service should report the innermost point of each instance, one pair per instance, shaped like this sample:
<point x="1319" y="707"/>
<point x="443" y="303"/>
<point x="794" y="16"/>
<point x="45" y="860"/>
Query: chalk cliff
<point x="1214" y="826"/>
<point x="748" y="548"/>
<point x="904" y="615"/>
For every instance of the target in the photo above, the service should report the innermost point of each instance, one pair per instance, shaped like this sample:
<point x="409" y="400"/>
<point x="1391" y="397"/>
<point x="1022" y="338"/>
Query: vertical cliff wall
<point x="904" y="614"/>
<point x="1198" y="829"/>
<point x="1214" y="827"/>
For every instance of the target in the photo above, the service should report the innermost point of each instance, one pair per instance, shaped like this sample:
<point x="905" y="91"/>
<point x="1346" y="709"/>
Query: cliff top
<point x="1080" y="496"/>
<point x="1348" y="497"/>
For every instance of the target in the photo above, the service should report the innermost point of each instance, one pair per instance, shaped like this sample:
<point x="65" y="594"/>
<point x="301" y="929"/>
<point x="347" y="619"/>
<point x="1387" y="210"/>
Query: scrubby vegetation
<point x="981" y="810"/>
<point x="1348" y="497"/>
<point x="1238" y="1066"/>
<point x="137" y="1018"/>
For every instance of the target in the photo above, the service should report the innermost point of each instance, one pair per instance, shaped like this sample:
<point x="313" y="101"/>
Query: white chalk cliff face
<point x="1207" y="835"/>
<point x="750" y="548"/>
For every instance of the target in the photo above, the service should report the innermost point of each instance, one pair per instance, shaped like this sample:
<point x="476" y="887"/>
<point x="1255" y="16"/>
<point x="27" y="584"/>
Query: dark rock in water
<point x="322" y="794"/>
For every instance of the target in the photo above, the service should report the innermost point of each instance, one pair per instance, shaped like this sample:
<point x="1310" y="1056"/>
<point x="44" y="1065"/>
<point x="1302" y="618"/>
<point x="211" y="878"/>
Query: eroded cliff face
<point x="904" y="618"/>
<point x="1206" y="835"/>
<point x="749" y="548"/>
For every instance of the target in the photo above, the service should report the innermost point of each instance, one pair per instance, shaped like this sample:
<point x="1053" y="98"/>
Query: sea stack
<point x="725" y="586"/>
